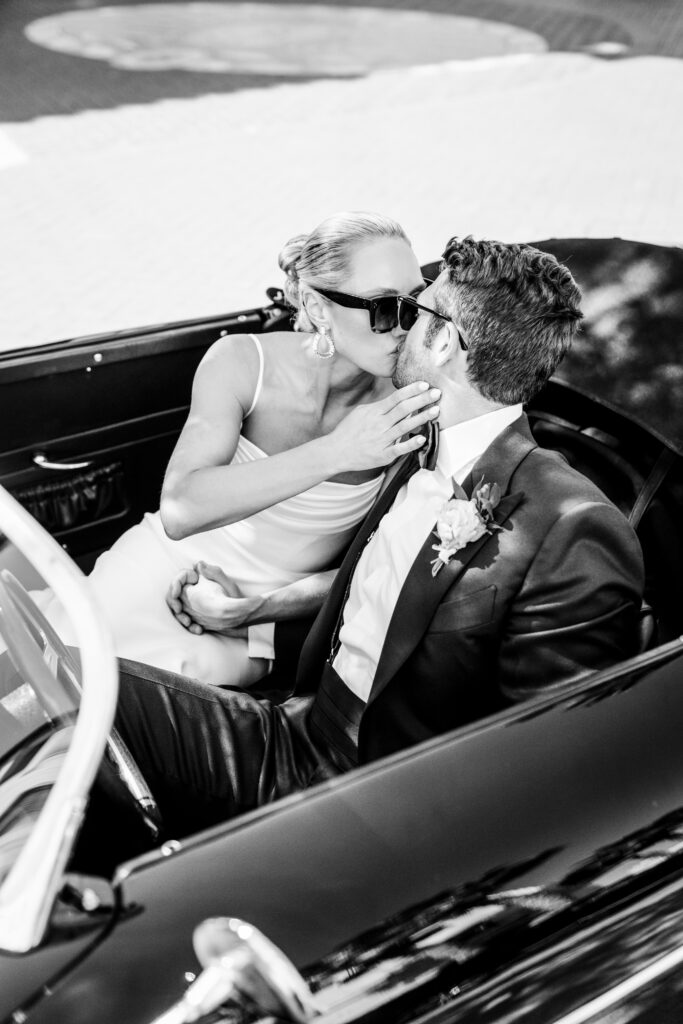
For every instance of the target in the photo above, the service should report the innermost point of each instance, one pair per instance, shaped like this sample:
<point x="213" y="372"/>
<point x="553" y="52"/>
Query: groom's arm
<point x="275" y="624"/>
<point x="294" y="611"/>
<point x="210" y="600"/>
<point x="279" y="626"/>
<point x="578" y="608"/>
<point x="302" y="599"/>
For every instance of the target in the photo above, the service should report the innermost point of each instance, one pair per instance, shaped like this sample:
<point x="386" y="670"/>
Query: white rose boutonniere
<point x="463" y="520"/>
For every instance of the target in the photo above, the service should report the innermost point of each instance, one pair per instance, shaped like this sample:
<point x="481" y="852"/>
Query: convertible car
<point x="528" y="867"/>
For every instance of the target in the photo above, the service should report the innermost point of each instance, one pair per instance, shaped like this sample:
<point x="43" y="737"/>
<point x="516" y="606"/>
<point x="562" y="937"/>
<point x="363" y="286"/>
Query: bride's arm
<point x="201" y="491"/>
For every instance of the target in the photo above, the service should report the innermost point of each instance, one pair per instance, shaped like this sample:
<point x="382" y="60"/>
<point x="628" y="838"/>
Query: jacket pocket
<point x="465" y="612"/>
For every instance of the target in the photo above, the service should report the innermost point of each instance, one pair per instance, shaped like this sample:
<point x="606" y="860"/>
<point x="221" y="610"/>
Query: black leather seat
<point x="639" y="494"/>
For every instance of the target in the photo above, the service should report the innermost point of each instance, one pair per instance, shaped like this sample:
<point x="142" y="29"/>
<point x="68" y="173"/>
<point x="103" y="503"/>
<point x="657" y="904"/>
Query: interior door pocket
<point x="79" y="500"/>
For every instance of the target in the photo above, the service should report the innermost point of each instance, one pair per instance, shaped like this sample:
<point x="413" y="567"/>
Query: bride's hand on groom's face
<point x="204" y="598"/>
<point x="371" y="435"/>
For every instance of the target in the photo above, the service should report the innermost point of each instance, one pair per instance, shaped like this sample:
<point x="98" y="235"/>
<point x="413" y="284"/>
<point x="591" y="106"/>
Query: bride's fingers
<point x="413" y="422"/>
<point x="189" y="623"/>
<point x="183" y="579"/>
<point x="215" y="574"/>
<point x="174" y="597"/>
<point x="411" y="444"/>
<point x="417" y="388"/>
<point x="212" y="572"/>
<point x="406" y="407"/>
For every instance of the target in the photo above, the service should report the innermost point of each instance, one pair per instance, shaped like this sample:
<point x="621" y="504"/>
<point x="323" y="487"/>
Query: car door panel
<point x="105" y="414"/>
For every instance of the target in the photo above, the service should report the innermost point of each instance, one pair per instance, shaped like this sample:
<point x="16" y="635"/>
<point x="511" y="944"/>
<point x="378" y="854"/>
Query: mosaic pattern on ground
<point x="263" y="38"/>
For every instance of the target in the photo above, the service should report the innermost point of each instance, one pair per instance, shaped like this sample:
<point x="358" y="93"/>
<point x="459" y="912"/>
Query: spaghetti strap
<point x="259" y="380"/>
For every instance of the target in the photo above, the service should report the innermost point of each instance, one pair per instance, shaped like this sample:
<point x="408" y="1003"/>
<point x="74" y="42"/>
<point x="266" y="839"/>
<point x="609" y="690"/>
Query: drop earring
<point x="323" y="346"/>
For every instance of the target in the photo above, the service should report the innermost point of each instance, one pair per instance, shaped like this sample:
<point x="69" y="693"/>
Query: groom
<point x="487" y="576"/>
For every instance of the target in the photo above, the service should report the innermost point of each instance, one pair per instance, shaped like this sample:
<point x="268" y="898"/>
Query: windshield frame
<point x="29" y="890"/>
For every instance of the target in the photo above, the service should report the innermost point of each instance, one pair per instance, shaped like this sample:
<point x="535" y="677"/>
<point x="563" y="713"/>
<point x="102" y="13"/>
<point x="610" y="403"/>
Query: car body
<point x="528" y="867"/>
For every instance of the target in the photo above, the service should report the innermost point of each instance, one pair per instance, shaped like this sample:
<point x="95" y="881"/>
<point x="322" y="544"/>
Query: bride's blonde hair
<point x="323" y="258"/>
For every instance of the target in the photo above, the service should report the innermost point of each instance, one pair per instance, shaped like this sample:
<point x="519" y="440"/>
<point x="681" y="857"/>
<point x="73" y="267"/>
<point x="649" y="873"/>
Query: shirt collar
<point x="463" y="443"/>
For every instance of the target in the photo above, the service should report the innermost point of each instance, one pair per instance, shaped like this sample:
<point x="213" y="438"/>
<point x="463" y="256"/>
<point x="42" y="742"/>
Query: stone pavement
<point x="175" y="202"/>
<point x="36" y="82"/>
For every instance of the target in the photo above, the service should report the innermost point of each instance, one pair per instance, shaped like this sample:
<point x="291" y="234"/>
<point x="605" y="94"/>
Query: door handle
<point x="41" y="460"/>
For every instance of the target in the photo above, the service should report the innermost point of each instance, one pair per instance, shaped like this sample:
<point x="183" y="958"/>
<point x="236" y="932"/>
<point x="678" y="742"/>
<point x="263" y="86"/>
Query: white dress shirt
<point x="386" y="561"/>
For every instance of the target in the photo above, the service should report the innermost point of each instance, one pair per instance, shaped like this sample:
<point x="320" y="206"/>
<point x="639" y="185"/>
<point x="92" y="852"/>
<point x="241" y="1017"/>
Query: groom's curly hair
<point x="518" y="311"/>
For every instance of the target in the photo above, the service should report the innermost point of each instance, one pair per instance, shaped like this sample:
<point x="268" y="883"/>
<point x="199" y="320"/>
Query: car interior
<point x="89" y="425"/>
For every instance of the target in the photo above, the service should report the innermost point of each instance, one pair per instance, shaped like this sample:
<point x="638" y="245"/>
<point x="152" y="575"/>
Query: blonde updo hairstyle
<point x="323" y="258"/>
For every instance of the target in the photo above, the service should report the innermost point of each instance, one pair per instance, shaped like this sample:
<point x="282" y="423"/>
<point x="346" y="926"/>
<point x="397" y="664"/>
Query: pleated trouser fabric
<point x="210" y="753"/>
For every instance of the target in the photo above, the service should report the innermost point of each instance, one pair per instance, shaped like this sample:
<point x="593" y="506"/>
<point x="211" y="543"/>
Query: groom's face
<point x="415" y="355"/>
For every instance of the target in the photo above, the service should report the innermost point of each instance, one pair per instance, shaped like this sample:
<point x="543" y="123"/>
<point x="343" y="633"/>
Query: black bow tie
<point x="429" y="451"/>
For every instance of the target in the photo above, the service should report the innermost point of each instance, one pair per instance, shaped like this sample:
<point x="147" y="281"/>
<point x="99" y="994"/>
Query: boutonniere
<point x="463" y="520"/>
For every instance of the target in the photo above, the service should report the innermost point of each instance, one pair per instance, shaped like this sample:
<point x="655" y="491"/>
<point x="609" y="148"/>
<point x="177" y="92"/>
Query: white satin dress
<point x="279" y="545"/>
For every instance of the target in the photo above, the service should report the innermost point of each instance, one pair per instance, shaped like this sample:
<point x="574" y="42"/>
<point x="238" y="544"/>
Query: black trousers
<point x="209" y="753"/>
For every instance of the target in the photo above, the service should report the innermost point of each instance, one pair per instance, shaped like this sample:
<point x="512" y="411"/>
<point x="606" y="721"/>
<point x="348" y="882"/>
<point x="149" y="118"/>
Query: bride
<point x="280" y="458"/>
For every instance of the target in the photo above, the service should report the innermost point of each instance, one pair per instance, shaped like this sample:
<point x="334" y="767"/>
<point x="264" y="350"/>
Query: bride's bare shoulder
<point x="278" y="343"/>
<point x="284" y="356"/>
<point x="231" y="365"/>
<point x="234" y="361"/>
<point x="243" y="346"/>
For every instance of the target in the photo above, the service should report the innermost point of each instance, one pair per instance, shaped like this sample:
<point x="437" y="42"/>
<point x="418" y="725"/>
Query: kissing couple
<point x="373" y="473"/>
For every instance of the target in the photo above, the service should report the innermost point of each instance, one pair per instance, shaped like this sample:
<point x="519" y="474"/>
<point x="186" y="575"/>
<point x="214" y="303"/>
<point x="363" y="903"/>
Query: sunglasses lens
<point x="407" y="314"/>
<point x="386" y="314"/>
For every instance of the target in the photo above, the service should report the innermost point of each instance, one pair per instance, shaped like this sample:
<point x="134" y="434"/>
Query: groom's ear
<point x="446" y="344"/>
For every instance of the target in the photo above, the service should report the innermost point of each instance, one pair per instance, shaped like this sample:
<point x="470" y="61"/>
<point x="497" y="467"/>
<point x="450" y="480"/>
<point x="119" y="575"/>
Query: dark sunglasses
<point x="409" y="310"/>
<point x="387" y="311"/>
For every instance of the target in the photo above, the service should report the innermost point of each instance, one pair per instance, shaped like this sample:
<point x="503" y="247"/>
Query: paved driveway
<point x="150" y="168"/>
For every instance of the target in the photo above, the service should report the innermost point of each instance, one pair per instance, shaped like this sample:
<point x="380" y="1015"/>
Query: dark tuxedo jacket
<point x="556" y="591"/>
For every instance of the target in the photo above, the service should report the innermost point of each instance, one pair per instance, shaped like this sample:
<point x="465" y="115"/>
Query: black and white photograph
<point x="341" y="512"/>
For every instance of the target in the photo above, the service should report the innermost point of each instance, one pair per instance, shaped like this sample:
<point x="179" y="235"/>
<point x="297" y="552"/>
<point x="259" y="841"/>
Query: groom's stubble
<point x="409" y="367"/>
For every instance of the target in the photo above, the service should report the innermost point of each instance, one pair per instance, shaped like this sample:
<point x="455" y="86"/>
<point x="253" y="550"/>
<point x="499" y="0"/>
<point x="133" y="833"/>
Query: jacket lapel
<point x="422" y="592"/>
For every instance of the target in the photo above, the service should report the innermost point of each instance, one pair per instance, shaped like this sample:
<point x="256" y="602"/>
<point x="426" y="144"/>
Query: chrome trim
<point x="25" y="654"/>
<point x="41" y="460"/>
<point x="241" y="964"/>
<point x="143" y="860"/>
<point x="30" y="888"/>
<point x="125" y="766"/>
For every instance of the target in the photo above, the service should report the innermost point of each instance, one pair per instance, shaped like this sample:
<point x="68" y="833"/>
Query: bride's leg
<point x="213" y="659"/>
<point x="129" y="584"/>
